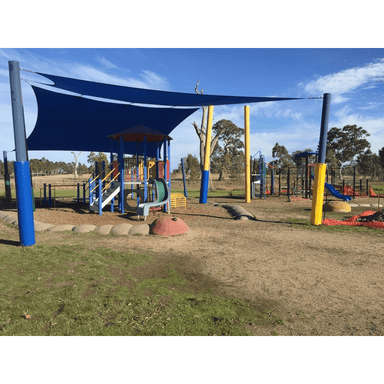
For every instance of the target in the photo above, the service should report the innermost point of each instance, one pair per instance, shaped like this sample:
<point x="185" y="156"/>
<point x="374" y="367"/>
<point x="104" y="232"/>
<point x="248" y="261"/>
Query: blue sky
<point x="354" y="77"/>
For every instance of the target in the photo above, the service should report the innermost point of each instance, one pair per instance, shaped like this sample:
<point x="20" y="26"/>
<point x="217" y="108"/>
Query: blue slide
<point x="334" y="192"/>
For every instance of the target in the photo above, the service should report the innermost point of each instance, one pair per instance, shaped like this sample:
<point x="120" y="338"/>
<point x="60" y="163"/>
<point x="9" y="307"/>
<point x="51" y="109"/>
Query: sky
<point x="354" y="77"/>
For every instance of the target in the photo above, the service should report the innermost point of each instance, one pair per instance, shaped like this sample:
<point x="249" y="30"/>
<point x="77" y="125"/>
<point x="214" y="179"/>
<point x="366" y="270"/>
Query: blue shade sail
<point x="150" y="96"/>
<point x="72" y="123"/>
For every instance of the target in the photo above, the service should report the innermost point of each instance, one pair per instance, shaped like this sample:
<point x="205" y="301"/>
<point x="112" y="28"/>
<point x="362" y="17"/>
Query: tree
<point x="381" y="157"/>
<point x="191" y="166"/>
<point x="227" y="156"/>
<point x="82" y="169"/>
<point x="282" y="156"/>
<point x="201" y="133"/>
<point x="368" y="164"/>
<point x="76" y="161"/>
<point x="343" y="145"/>
<point x="92" y="158"/>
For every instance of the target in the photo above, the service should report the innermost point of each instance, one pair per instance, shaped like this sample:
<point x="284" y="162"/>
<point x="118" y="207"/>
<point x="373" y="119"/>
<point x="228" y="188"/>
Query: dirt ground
<point x="319" y="283"/>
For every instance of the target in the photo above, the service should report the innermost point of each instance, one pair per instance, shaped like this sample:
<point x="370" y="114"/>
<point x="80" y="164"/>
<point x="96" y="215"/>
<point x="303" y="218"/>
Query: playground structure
<point x="258" y="173"/>
<point x="104" y="187"/>
<point x="66" y="113"/>
<point x="297" y="182"/>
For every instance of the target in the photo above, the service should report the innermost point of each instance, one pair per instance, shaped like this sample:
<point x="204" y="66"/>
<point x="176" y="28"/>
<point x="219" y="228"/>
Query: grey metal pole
<point x="17" y="111"/>
<point x="324" y="127"/>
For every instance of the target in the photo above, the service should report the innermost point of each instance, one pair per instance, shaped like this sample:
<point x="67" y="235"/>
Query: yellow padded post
<point x="318" y="194"/>
<point x="247" y="154"/>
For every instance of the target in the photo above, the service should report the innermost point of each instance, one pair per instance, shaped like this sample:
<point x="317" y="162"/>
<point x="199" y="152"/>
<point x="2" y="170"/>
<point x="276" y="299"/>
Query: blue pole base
<point x="24" y="203"/>
<point x="204" y="187"/>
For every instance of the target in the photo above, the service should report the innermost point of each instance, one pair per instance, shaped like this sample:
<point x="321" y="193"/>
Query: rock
<point x="11" y="219"/>
<point x="239" y="212"/>
<point x="121" y="229"/>
<point x="61" y="228"/>
<point x="336" y="206"/>
<point x="104" y="229"/>
<point x="84" y="228"/>
<point x="169" y="226"/>
<point x="4" y="214"/>
<point x="42" y="226"/>
<point x="139" y="229"/>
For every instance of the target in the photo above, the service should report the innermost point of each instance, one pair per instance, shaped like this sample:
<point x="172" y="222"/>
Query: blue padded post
<point x="24" y="203"/>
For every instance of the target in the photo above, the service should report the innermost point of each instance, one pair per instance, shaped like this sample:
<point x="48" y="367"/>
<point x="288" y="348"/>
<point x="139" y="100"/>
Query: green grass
<point x="59" y="193"/>
<point x="71" y="290"/>
<point x="378" y="188"/>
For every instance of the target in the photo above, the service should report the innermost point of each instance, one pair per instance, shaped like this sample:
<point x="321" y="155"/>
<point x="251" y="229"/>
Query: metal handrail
<point x="103" y="172"/>
<point x="109" y="173"/>
<point x="106" y="187"/>
<point x="104" y="177"/>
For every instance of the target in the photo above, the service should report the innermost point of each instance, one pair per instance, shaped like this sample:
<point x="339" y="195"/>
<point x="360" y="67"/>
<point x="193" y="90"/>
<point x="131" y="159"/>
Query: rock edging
<point x="240" y="213"/>
<point x="118" y="229"/>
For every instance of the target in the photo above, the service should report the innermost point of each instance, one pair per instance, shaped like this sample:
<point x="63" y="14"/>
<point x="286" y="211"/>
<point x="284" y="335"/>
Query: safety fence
<point x="354" y="221"/>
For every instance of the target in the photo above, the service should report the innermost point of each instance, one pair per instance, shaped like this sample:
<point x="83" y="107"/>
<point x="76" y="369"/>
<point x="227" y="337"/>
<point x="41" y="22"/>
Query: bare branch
<point x="215" y="139"/>
<point x="197" y="129"/>
<point x="197" y="85"/>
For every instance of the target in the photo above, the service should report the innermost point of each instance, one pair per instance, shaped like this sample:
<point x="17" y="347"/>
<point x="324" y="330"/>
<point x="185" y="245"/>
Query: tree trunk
<point x="201" y="133"/>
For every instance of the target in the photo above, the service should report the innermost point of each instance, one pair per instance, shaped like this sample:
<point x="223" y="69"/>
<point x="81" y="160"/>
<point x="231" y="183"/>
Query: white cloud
<point x="346" y="81"/>
<point x="154" y="81"/>
<point x="106" y="63"/>
<point x="371" y="105"/>
<point x="373" y="125"/>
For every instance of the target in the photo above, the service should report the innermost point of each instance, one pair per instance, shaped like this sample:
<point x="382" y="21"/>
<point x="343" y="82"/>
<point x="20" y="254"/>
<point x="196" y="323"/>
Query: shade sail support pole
<point x="165" y="167"/>
<point x="22" y="169"/>
<point x="205" y="174"/>
<point x="247" y="155"/>
<point x="321" y="166"/>
<point x="169" y="172"/>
